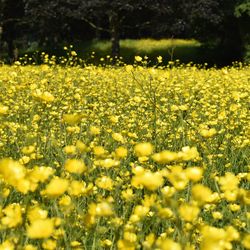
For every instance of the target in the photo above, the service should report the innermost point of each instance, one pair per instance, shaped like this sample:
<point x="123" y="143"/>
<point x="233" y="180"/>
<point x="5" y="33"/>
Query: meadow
<point x="98" y="51"/>
<point x="172" y="49"/>
<point x="125" y="158"/>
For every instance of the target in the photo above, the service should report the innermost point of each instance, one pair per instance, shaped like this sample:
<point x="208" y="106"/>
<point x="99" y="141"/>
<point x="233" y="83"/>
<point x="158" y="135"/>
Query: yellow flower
<point x="14" y="174"/>
<point x="194" y="173"/>
<point x="73" y="129"/>
<point x="143" y="149"/>
<point x="118" y="137"/>
<point x="125" y="245"/>
<point x="38" y="174"/>
<point x="165" y="212"/>
<point x="70" y="149"/>
<point x="46" y="97"/>
<point x="178" y="177"/>
<point x="232" y="234"/>
<point x="72" y="118"/>
<point x="65" y="201"/>
<point x="138" y="58"/>
<point x="208" y="132"/>
<point x="101" y="209"/>
<point x="201" y="193"/>
<point x="148" y="179"/>
<point x="159" y="59"/>
<point x="73" y="53"/>
<point x="75" y="166"/>
<point x="114" y="119"/>
<point x="77" y="188"/>
<point x="75" y="243"/>
<point x="129" y="68"/>
<point x="12" y="215"/>
<point x="213" y="238"/>
<point x="246" y="241"/>
<point x="189" y="212"/>
<point x="24" y="160"/>
<point x="231" y="195"/>
<point x="49" y="244"/>
<point x="56" y="187"/>
<point x="244" y="196"/>
<point x="106" y="243"/>
<point x="7" y="245"/>
<point x="28" y="149"/>
<point x="168" y="244"/>
<point x="165" y="156"/>
<point x="95" y="130"/>
<point x="5" y="192"/>
<point x="104" y="182"/>
<point x="149" y="241"/>
<point x="234" y="207"/>
<point x="131" y="237"/>
<point x="168" y="191"/>
<point x="89" y="219"/>
<point x="141" y="211"/>
<point x="228" y="182"/>
<point x="81" y="146"/>
<point x="39" y="229"/>
<point x="29" y="247"/>
<point x="99" y="151"/>
<point x="3" y="110"/>
<point x="128" y="194"/>
<point x="121" y="152"/>
<point x="217" y="215"/>
<point x="36" y="213"/>
<point x="188" y="154"/>
<point x="107" y="163"/>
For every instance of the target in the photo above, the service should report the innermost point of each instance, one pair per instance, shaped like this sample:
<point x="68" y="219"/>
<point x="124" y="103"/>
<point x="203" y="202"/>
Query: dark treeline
<point x="220" y="24"/>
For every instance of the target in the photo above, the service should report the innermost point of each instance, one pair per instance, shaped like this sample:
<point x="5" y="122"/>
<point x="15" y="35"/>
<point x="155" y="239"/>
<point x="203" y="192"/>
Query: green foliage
<point x="242" y="8"/>
<point x="247" y="54"/>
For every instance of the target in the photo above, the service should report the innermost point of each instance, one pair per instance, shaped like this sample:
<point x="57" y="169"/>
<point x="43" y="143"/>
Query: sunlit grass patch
<point x="171" y="49"/>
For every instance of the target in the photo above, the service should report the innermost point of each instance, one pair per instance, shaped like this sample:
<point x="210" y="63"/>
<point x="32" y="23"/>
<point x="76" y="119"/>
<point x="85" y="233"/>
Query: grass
<point x="171" y="49"/>
<point x="98" y="52"/>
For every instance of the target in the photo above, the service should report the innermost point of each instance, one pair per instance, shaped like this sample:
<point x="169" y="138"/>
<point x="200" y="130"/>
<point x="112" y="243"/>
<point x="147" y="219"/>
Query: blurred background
<point x="216" y="32"/>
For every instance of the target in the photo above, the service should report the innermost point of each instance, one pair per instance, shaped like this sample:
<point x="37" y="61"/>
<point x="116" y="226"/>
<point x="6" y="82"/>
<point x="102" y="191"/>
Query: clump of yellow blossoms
<point x="40" y="228"/>
<point x="144" y="149"/>
<point x="147" y="179"/>
<point x="75" y="166"/>
<point x="167" y="156"/>
<point x="127" y="157"/>
<point x="56" y="187"/>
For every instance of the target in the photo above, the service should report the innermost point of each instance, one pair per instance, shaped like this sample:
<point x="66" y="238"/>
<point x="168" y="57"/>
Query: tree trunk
<point x="1" y="46"/>
<point x="114" y="34"/>
<point x="11" y="48"/>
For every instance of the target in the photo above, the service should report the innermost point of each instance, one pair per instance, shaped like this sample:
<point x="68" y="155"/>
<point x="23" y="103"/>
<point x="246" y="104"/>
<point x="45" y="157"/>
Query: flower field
<point x="124" y="158"/>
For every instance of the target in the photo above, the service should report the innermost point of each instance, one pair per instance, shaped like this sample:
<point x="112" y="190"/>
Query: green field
<point x="99" y="52"/>
<point x="170" y="49"/>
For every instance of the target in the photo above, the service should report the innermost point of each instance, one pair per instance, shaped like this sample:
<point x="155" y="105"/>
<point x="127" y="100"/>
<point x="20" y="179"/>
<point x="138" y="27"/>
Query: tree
<point x="48" y="21"/>
<point x="115" y="14"/>
<point x="214" y="23"/>
<point x="242" y="13"/>
<point x="12" y="12"/>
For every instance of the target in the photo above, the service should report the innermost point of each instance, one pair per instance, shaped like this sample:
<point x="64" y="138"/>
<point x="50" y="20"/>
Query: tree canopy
<point x="224" y="24"/>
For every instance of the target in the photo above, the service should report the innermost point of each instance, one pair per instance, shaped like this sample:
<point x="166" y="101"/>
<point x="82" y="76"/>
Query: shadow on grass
<point x="185" y="51"/>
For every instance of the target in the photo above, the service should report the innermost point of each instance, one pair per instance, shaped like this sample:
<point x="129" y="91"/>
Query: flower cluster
<point x="124" y="158"/>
